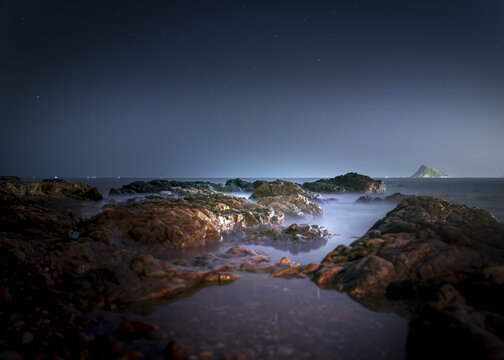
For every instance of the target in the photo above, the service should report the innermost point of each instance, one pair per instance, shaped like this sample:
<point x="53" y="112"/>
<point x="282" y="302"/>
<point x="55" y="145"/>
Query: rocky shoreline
<point x="438" y="264"/>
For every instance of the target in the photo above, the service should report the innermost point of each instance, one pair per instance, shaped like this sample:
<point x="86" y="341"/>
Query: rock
<point x="107" y="347"/>
<point x="311" y="268"/>
<point x="441" y="264"/>
<point x="290" y="271"/>
<point x="424" y="239"/>
<point x="456" y="332"/>
<point x="175" y="351"/>
<point x="27" y="337"/>
<point x="394" y="198"/>
<point x="176" y="223"/>
<point x="305" y="231"/>
<point x="220" y="278"/>
<point x="185" y="187"/>
<point x="294" y="238"/>
<point x="292" y="206"/>
<point x="34" y="221"/>
<point x="285" y="261"/>
<point x="132" y="329"/>
<point x="14" y="191"/>
<point x="278" y="188"/>
<point x="350" y="182"/>
<point x="159" y="185"/>
<point x="239" y="185"/>
<point x="5" y="295"/>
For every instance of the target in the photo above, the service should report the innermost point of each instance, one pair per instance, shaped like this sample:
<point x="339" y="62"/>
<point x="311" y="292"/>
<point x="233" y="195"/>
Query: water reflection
<point x="270" y="318"/>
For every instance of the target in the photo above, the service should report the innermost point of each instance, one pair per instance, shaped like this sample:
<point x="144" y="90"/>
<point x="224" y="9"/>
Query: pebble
<point x="27" y="337"/>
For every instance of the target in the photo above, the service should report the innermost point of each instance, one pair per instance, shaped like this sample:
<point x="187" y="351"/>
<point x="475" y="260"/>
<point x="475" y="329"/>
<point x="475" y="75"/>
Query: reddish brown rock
<point x="441" y="264"/>
<point x="423" y="239"/>
<point x="132" y="329"/>
<point x="177" y="223"/>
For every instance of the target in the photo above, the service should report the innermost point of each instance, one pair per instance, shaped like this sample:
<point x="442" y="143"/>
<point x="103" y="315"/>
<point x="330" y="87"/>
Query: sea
<point x="259" y="317"/>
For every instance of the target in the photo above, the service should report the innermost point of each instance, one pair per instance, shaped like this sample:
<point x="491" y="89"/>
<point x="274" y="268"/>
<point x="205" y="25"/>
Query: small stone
<point x="285" y="261"/>
<point x="205" y="354"/>
<point x="27" y="337"/>
<point x="175" y="351"/>
<point x="132" y="329"/>
<point x="5" y="295"/>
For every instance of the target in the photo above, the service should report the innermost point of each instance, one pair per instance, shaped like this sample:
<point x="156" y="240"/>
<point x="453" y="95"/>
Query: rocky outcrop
<point x="159" y="185"/>
<point x="423" y="239"/>
<point x="442" y="261"/>
<point x="239" y="185"/>
<point x="296" y="238"/>
<point x="15" y="190"/>
<point x="350" y="182"/>
<point x="292" y="206"/>
<point x="55" y="268"/>
<point x="176" y="223"/>
<point x="288" y="198"/>
<point x="281" y="188"/>
<point x="394" y="198"/>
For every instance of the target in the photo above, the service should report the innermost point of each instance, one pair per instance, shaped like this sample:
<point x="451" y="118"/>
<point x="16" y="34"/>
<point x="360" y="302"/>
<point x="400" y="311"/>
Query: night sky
<point x="251" y="88"/>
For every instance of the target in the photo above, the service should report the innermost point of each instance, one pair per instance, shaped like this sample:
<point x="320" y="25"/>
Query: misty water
<point x="262" y="317"/>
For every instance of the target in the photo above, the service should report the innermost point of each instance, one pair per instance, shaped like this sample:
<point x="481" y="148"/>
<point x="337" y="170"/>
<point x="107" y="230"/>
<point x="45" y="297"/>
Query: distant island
<point x="425" y="171"/>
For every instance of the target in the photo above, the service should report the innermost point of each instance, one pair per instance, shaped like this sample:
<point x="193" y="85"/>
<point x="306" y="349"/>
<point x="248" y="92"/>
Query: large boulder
<point x="350" y="182"/>
<point x="441" y="264"/>
<point x="292" y="206"/>
<point x="175" y="223"/>
<point x="422" y="239"/>
<point x="281" y="188"/>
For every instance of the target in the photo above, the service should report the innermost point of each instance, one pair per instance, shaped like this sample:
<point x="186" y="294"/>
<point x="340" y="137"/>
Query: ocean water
<point x="266" y="318"/>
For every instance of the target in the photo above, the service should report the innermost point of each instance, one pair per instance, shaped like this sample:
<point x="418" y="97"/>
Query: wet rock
<point x="350" y="182"/>
<point x="289" y="271"/>
<point x="456" y="332"/>
<point x="35" y="221"/>
<point x="5" y="295"/>
<point x="292" y="206"/>
<point x="311" y="268"/>
<point x="132" y="329"/>
<point x="284" y="261"/>
<point x="107" y="347"/>
<point x="281" y="188"/>
<point x="423" y="239"/>
<point x="443" y="263"/>
<point x="394" y="198"/>
<point x="27" y="337"/>
<point x="239" y="185"/>
<point x="175" y="351"/>
<point x="305" y="231"/>
<point x="220" y="278"/>
<point x="294" y="238"/>
<point x="176" y="223"/>
<point x="159" y="185"/>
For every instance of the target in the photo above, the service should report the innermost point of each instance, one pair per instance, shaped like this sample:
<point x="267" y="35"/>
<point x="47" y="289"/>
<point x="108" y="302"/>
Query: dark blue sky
<point x="251" y="88"/>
